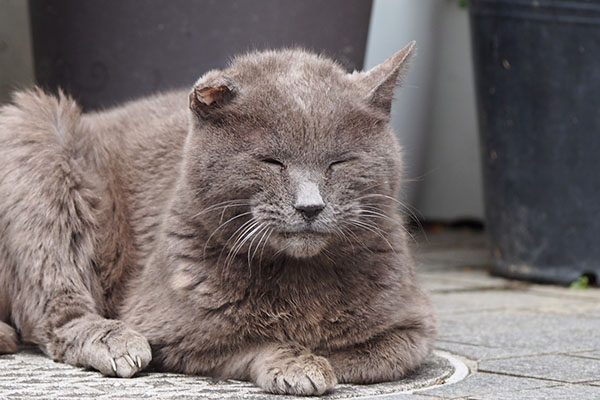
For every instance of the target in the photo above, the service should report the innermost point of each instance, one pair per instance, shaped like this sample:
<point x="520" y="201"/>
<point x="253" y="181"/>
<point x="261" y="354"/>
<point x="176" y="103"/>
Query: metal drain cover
<point x="29" y="374"/>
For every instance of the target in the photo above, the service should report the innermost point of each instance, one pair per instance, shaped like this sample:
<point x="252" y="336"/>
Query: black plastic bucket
<point x="537" y="69"/>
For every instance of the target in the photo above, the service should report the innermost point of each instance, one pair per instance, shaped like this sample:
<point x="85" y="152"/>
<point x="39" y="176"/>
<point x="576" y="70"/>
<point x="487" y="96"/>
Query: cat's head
<point x="289" y="152"/>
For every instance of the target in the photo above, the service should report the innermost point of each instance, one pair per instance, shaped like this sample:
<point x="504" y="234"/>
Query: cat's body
<point x="253" y="237"/>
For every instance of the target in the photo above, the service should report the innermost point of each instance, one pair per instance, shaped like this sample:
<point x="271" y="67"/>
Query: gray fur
<point x="250" y="233"/>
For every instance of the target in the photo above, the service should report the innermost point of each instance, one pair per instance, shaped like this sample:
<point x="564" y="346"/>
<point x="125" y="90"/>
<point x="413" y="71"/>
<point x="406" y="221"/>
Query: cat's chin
<point x="302" y="245"/>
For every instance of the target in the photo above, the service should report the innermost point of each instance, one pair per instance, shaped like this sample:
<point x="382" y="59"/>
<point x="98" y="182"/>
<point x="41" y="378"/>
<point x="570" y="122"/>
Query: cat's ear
<point x="380" y="81"/>
<point x="207" y="100"/>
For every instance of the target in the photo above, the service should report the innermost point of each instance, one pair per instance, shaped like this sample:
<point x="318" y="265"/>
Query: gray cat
<point x="249" y="230"/>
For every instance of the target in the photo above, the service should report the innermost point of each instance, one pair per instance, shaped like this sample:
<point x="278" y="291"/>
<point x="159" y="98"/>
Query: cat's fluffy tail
<point x="8" y="339"/>
<point x="56" y="118"/>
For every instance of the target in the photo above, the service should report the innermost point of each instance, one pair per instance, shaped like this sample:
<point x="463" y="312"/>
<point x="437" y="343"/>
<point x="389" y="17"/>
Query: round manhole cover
<point x="441" y="368"/>
<point x="30" y="374"/>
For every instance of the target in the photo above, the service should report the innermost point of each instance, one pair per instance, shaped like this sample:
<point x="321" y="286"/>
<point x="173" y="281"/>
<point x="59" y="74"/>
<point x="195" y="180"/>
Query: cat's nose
<point x="309" y="202"/>
<point x="309" y="211"/>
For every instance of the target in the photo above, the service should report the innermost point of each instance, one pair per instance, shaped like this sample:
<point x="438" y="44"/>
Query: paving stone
<point x="587" y="354"/>
<point x="479" y="353"/>
<point x="400" y="396"/>
<point x="450" y="240"/>
<point x="562" y="392"/>
<point x="431" y="260"/>
<point x="551" y="366"/>
<point x="594" y="354"/>
<point x="456" y="281"/>
<point x="522" y="332"/>
<point x="444" y="286"/>
<point x="29" y="374"/>
<point x="470" y="301"/>
<point x="452" y="249"/>
<point x="483" y="383"/>
<point x="557" y="291"/>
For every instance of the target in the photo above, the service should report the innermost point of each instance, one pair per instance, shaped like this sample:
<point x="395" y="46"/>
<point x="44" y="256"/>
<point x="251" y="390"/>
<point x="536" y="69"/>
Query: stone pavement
<point x="525" y="341"/>
<point x="519" y="341"/>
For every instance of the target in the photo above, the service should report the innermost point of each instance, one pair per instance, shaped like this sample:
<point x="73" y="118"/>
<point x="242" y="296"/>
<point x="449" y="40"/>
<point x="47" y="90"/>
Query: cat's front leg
<point x="108" y="346"/>
<point x="284" y="369"/>
<point x="386" y="357"/>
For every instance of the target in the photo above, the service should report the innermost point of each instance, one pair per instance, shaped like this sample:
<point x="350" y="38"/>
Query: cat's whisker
<point x="239" y="237"/>
<point x="231" y="205"/>
<point x="282" y="250"/>
<point x="338" y="235"/>
<point x="410" y="210"/>
<point x="345" y="237"/>
<point x="254" y="237"/>
<point x="244" y="226"/>
<point x="405" y="206"/>
<point x="336" y="231"/>
<point x="374" y="214"/>
<point x="329" y="256"/>
<point x="383" y="196"/>
<point x="367" y="212"/>
<point x="374" y="229"/>
<point x="357" y="239"/>
<point x="222" y="225"/>
<point x="265" y="232"/>
<point x="223" y="204"/>
<point x="377" y="207"/>
<point x="259" y="235"/>
<point x="380" y="206"/>
<point x="241" y="241"/>
<point x="265" y="245"/>
<point x="374" y="186"/>
<point x="263" y="229"/>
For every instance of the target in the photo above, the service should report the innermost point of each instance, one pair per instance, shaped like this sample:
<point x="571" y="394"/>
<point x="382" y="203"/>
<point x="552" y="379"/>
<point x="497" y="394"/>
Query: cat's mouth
<point x="302" y="233"/>
<point x="302" y="243"/>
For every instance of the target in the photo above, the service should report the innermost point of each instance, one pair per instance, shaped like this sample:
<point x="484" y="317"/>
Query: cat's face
<point x="293" y="154"/>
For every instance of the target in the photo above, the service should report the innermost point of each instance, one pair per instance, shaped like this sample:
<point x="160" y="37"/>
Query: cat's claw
<point x="138" y="361"/>
<point x="128" y="358"/>
<point x="113" y="364"/>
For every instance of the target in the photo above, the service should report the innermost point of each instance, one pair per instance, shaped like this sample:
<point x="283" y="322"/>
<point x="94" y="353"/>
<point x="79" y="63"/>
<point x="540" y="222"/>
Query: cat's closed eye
<point x="338" y="163"/>
<point x="273" y="162"/>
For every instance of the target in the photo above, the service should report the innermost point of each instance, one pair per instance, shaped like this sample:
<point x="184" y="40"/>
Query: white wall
<point x="16" y="60"/>
<point x="434" y="112"/>
<point x="394" y="23"/>
<point x="452" y="185"/>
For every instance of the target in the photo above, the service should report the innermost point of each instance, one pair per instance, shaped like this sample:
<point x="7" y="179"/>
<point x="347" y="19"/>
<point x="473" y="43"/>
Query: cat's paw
<point x="8" y="339"/>
<point x="116" y="350"/>
<point x="304" y="375"/>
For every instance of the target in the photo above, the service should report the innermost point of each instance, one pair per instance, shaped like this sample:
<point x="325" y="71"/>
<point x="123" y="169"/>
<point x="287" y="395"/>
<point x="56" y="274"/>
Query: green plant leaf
<point x="581" y="283"/>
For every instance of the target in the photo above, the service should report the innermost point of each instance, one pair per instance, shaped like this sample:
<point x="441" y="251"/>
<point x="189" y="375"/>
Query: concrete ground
<point x="525" y="341"/>
<point x="519" y="341"/>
